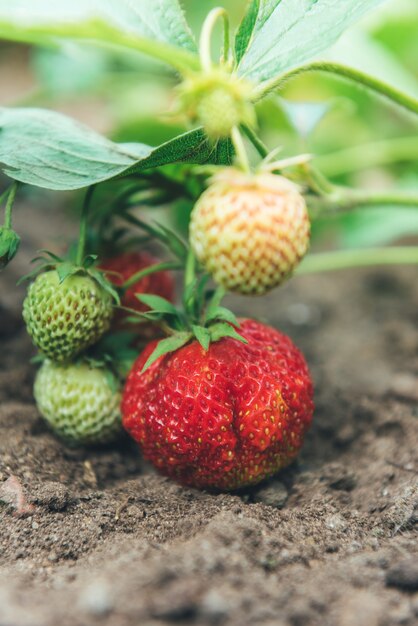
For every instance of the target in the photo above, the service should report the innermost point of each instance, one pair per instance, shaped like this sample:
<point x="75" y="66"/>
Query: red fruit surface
<point x="122" y="267"/>
<point x="224" y="418"/>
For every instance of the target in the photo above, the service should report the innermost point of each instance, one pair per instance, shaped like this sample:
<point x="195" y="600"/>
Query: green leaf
<point x="202" y="335"/>
<point x="190" y="147"/>
<point x="218" y="331"/>
<point x="157" y="304"/>
<point x="50" y="150"/>
<point x="158" y="20"/>
<point x="286" y="33"/>
<point x="171" y="344"/>
<point x="156" y="27"/>
<point x="245" y="30"/>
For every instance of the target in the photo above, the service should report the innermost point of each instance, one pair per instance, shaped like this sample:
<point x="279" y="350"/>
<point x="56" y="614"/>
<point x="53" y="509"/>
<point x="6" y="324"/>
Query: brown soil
<point x="97" y="537"/>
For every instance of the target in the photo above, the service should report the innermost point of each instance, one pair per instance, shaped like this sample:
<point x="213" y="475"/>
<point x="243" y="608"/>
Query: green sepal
<point x="138" y="316"/>
<point x="223" y="314"/>
<point x="215" y="299"/>
<point x="37" y="359"/>
<point x="135" y="319"/>
<point x="51" y="255"/>
<point x="202" y="334"/>
<point x="165" y="346"/>
<point x="64" y="270"/>
<point x="221" y="329"/>
<point x="157" y="304"/>
<point x="89" y="261"/>
<point x="99" y="277"/>
<point x="112" y="381"/>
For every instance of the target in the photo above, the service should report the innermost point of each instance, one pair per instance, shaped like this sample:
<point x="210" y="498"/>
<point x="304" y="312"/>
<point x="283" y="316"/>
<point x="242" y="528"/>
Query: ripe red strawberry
<point x="119" y="268"/>
<point x="224" y="418"/>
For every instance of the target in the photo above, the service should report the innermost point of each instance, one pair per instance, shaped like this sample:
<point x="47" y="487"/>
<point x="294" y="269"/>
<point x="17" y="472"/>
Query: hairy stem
<point x="9" y="205"/>
<point x="369" y="82"/>
<point x="261" y="148"/>
<point x="240" y="150"/>
<point x="344" y="259"/>
<point x="346" y="199"/>
<point x="83" y="226"/>
<point x="369" y="155"/>
<point x="205" y="51"/>
<point x="147" y="271"/>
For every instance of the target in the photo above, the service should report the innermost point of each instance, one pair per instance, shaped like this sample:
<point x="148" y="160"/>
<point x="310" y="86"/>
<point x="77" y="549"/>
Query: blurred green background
<point x="357" y="139"/>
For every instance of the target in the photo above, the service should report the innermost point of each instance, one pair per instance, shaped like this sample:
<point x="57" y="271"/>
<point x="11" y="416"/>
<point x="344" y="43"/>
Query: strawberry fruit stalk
<point x="9" y="239"/>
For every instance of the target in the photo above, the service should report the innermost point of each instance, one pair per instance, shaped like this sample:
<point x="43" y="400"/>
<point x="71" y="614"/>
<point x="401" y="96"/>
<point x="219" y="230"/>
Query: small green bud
<point x="9" y="245"/>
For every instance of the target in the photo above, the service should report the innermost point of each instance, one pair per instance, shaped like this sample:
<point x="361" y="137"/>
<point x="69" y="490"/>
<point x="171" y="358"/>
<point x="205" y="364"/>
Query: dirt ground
<point x="96" y="536"/>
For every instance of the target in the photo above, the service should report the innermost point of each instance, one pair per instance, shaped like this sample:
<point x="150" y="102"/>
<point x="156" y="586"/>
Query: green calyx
<point x="218" y="100"/>
<point x="200" y="317"/>
<point x="66" y="268"/>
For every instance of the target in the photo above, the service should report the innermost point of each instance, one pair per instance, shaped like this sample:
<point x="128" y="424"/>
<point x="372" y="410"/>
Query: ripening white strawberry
<point x="250" y="231"/>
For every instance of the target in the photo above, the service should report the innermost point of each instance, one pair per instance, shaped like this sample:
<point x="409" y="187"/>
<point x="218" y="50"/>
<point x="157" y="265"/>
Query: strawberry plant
<point x="217" y="402"/>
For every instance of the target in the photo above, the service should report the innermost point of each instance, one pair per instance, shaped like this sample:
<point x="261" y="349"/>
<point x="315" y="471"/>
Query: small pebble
<point x="336" y="522"/>
<point x="214" y="606"/>
<point x="96" y="599"/>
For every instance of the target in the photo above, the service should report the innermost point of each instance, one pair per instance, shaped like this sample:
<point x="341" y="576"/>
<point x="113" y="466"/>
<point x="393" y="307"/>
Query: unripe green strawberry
<point x="250" y="230"/>
<point x="218" y="112"/>
<point x="218" y="101"/>
<point x="64" y="318"/>
<point x="80" y="403"/>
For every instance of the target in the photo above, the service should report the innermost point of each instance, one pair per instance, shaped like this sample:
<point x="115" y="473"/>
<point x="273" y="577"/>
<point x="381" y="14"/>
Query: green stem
<point x="346" y="199"/>
<point x="345" y="259"/>
<point x="9" y="205"/>
<point x="261" y="148"/>
<point x="369" y="155"/>
<point x="369" y="82"/>
<point x="240" y="150"/>
<point x="190" y="270"/>
<point x="83" y="226"/>
<point x="206" y="37"/>
<point x="152" y="269"/>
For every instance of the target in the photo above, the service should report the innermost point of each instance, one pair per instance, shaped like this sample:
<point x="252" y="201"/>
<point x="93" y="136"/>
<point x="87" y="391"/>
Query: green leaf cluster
<point x="49" y="150"/>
